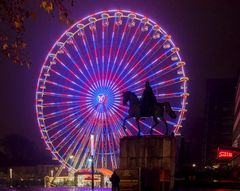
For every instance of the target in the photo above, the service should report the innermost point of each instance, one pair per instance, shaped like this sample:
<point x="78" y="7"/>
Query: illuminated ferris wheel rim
<point x="81" y="25"/>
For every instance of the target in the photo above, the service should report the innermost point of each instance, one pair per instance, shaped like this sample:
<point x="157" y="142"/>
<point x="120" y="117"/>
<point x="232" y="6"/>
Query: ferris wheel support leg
<point x="57" y="174"/>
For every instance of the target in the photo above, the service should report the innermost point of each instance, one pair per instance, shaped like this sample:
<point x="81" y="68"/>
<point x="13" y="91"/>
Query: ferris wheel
<point x="80" y="86"/>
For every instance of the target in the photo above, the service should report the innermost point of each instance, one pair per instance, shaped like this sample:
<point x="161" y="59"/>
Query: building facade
<point x="219" y="117"/>
<point x="236" y="125"/>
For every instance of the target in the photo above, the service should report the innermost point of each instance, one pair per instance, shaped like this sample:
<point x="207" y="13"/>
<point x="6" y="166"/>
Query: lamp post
<point x="51" y="172"/>
<point x="92" y="157"/>
<point x="11" y="176"/>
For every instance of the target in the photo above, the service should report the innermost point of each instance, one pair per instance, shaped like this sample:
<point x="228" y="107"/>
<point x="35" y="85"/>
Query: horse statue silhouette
<point x="139" y="110"/>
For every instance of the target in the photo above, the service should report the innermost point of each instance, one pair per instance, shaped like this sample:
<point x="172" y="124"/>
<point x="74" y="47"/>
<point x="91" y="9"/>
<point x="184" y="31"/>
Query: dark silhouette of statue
<point x="115" y="181"/>
<point x="148" y="100"/>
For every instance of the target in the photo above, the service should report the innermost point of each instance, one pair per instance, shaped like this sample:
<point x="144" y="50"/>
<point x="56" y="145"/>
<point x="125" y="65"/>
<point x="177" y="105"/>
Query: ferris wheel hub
<point x="102" y="98"/>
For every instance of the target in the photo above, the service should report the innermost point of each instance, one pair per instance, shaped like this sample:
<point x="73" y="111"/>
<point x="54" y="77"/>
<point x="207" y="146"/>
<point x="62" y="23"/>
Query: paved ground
<point x="107" y="189"/>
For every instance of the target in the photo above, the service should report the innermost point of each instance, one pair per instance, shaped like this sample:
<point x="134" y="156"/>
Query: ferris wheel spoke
<point x="172" y="123"/>
<point x="128" y="63"/>
<point x="132" y="56"/>
<point x="155" y="53"/>
<point x="123" y="113"/>
<point x="124" y="53"/>
<point x="70" y="150"/>
<point x="82" y="125"/>
<point x="103" y="54"/>
<point x="66" y="123"/>
<point x="87" y="50"/>
<point x="90" y="115"/>
<point x="137" y="85"/>
<point x="60" y="112"/>
<point x="77" y="49"/>
<point x="86" y="74"/>
<point x="168" y="83"/>
<point x="109" y="145"/>
<point x="162" y="84"/>
<point x="135" y="66"/>
<point x="118" y="128"/>
<point x="165" y="56"/>
<point x="86" y="111"/>
<point x="59" y="104"/>
<point x="65" y="78"/>
<point x="169" y="95"/>
<point x="98" y="151"/>
<point x="109" y="55"/>
<point x="96" y="54"/>
<point x="58" y="135"/>
<point x="76" y="154"/>
<point x="86" y="143"/>
<point x="69" y="70"/>
<point x="140" y="80"/>
<point x="103" y="150"/>
<point x="65" y="50"/>
<point x="115" y="56"/>
<point x="79" y="69"/>
<point x="117" y="105"/>
<point x="114" y="110"/>
<point x="59" y="95"/>
<point x="66" y="140"/>
<point x="67" y="129"/>
<point x="142" y="50"/>
<point x="176" y="108"/>
<point x="106" y="134"/>
<point x="163" y="71"/>
<point x="98" y="132"/>
<point x="121" y="109"/>
<point x="132" y="125"/>
<point x="135" y="43"/>
<point x="62" y="86"/>
<point x="61" y="121"/>
<point x="142" y="123"/>
<point x="77" y="145"/>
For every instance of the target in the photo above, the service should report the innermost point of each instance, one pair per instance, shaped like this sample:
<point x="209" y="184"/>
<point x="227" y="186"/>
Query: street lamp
<point x="92" y="157"/>
<point x="51" y="173"/>
<point x="11" y="176"/>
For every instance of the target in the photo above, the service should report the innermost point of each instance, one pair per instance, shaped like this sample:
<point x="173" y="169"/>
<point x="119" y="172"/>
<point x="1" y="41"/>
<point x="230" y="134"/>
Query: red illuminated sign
<point x="225" y="154"/>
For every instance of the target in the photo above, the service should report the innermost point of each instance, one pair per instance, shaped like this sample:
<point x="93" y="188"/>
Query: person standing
<point x="148" y="100"/>
<point x="115" y="181"/>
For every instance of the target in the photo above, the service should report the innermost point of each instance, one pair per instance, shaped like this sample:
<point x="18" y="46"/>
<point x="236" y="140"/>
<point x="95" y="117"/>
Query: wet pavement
<point x="107" y="189"/>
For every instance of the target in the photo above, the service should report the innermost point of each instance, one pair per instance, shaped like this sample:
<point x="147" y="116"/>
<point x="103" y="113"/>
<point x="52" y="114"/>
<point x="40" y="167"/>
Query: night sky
<point x="207" y="33"/>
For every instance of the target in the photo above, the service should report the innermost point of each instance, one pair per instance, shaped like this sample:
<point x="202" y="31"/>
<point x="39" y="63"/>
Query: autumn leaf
<point x="14" y="45"/>
<point x="5" y="46"/>
<point x="43" y="4"/>
<point x="16" y="60"/>
<point x="48" y="6"/>
<point x="18" y="24"/>
<point x="33" y="15"/>
<point x="23" y="45"/>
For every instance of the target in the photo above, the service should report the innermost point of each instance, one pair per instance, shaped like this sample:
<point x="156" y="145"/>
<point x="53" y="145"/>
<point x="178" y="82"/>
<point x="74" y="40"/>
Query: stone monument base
<point x="147" y="163"/>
